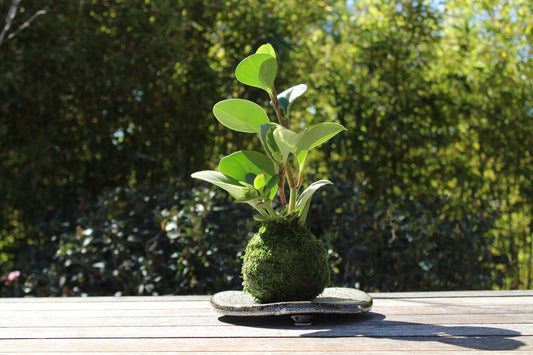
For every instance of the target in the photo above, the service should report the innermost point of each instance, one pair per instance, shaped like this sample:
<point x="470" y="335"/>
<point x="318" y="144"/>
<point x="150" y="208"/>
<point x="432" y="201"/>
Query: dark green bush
<point x="174" y="239"/>
<point x="140" y="240"/>
<point x="404" y="244"/>
<point x="437" y="106"/>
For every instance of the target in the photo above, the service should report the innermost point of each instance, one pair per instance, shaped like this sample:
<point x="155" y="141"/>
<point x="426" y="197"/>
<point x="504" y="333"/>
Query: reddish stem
<point x="281" y="185"/>
<point x="275" y="103"/>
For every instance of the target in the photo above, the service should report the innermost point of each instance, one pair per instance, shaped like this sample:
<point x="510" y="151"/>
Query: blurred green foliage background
<point x="105" y="110"/>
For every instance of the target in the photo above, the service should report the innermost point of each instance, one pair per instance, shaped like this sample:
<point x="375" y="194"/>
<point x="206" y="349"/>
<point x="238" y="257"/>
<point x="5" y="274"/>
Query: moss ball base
<point x="284" y="262"/>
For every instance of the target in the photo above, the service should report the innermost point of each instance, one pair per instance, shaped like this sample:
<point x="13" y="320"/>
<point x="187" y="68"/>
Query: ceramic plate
<point x="334" y="300"/>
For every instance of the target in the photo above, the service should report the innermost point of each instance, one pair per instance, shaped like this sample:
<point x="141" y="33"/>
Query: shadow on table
<point x="374" y="325"/>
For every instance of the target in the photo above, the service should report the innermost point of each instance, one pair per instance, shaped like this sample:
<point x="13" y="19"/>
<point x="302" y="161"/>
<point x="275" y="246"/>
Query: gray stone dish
<point x="334" y="300"/>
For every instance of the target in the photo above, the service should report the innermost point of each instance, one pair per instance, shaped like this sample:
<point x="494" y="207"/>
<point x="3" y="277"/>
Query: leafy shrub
<point x="403" y="244"/>
<point x="141" y="241"/>
<point x="174" y="239"/>
<point x="429" y="97"/>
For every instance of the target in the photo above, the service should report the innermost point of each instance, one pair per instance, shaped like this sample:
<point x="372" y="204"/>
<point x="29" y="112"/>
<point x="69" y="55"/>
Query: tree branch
<point x="9" y="21"/>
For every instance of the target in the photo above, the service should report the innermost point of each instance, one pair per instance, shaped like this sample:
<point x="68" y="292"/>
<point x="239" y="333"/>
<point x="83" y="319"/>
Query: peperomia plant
<point x="254" y="177"/>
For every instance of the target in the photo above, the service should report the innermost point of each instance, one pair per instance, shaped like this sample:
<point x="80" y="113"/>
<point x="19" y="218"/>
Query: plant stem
<point x="274" y="99"/>
<point x="292" y="199"/>
<point x="300" y="179"/>
<point x="271" y="211"/>
<point x="281" y="185"/>
<point x="292" y="186"/>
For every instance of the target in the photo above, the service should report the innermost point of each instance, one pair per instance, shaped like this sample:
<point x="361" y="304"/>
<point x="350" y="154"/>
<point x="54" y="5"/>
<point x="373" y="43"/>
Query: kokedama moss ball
<point x="284" y="261"/>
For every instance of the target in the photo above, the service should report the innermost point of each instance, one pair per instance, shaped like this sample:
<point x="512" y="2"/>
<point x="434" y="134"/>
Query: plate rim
<point x="295" y="307"/>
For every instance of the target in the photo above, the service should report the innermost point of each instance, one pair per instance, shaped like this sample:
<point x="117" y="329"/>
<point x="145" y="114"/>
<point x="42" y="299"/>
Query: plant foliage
<point x="432" y="178"/>
<point x="254" y="177"/>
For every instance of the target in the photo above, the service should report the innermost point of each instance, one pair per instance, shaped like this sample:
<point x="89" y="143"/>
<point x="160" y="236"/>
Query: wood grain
<point x="418" y="323"/>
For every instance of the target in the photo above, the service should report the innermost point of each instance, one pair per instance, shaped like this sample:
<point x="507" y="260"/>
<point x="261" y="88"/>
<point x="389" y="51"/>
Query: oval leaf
<point x="260" y="181"/>
<point x="267" y="49"/>
<point x="315" y="135"/>
<point x="286" y="140"/>
<point x="258" y="70"/>
<point x="239" y="164"/>
<point x="286" y="98"/>
<point x="240" y="115"/>
<point x="304" y="200"/>
<point x="266" y="136"/>
<point x="227" y="183"/>
<point x="272" y="186"/>
<point x="318" y="134"/>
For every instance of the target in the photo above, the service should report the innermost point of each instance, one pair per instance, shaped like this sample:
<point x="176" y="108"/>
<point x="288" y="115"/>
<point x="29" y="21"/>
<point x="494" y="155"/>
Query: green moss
<point x="285" y="262"/>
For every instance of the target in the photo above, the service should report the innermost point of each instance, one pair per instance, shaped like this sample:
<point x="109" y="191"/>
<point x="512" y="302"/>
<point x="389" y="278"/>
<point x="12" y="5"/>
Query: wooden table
<point x="409" y="323"/>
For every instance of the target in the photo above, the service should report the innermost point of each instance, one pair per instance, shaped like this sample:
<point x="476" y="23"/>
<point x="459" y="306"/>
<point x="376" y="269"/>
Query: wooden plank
<point x="200" y="302"/>
<point x="447" y="294"/>
<point x="207" y="311"/>
<point x="389" y="329"/>
<point x="89" y="305"/>
<point x="110" y="304"/>
<point x="292" y="352"/>
<point x="445" y="301"/>
<point x="96" y="299"/>
<point x="174" y="298"/>
<point x="270" y="345"/>
<point x="457" y="309"/>
<point x="84" y="319"/>
<point x="416" y="322"/>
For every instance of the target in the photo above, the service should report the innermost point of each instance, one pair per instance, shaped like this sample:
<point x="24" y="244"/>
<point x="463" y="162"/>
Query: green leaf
<point x="272" y="186"/>
<point x="286" y="140"/>
<point x="236" y="189"/>
<point x="302" y="157"/>
<point x="313" y="136"/>
<point x="245" y="167"/>
<point x="248" y="180"/>
<point x="261" y="218"/>
<point x="319" y="133"/>
<point x="260" y="181"/>
<point x="278" y="141"/>
<point x="286" y="98"/>
<point x="240" y="164"/>
<point x="252" y="200"/>
<point x="267" y="49"/>
<point x="304" y="200"/>
<point x="258" y="70"/>
<point x="266" y="136"/>
<point x="227" y="183"/>
<point x="240" y="115"/>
